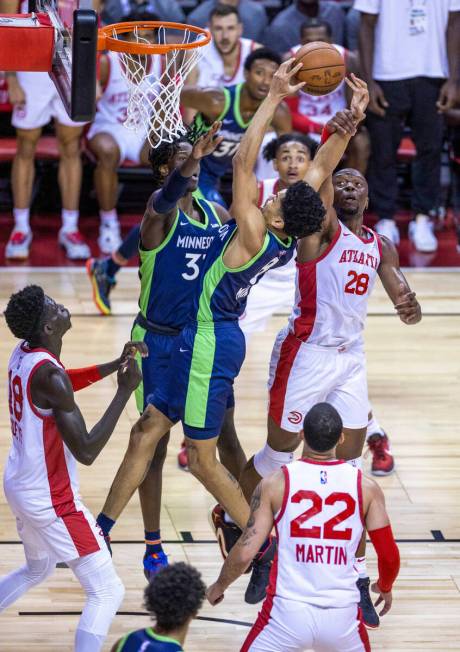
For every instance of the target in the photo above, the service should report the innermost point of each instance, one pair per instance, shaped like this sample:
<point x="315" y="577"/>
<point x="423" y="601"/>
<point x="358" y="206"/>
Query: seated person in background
<point x="252" y="15"/>
<point x="173" y="597"/>
<point x="283" y="32"/>
<point x="111" y="142"/>
<point x="115" y="10"/>
<point x="311" y="112"/>
<point x="453" y="121"/>
<point x="235" y="106"/>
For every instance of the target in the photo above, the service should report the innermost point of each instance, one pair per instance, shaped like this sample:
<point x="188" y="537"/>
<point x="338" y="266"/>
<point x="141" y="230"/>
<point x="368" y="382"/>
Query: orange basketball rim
<point x="108" y="38"/>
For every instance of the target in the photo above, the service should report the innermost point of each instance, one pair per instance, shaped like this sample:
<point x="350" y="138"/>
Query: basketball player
<point x="110" y="141"/>
<point x="235" y="106"/>
<point x="319" y="506"/>
<point x="311" y="112"/>
<point x="173" y="597"/>
<point x="40" y="478"/>
<point x="210" y="350"/>
<point x="36" y="101"/>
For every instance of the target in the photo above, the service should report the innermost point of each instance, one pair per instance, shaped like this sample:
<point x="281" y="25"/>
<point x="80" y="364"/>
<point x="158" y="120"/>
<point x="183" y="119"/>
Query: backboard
<point x="74" y="63"/>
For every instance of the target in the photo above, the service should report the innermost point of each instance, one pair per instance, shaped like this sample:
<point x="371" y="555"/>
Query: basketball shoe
<point x="74" y="245"/>
<point x="370" y="616"/>
<point x="154" y="563"/>
<point x="382" y="460"/>
<point x="227" y="534"/>
<point x="261" y="567"/>
<point x="18" y="245"/>
<point x="182" y="459"/>
<point x="101" y="283"/>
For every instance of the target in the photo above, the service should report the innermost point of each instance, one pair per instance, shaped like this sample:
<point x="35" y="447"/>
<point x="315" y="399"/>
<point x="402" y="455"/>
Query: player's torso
<point x="321" y="108"/>
<point x="332" y="291"/>
<point x="318" y="534"/>
<point x="212" y="71"/>
<point x="223" y="291"/>
<point x="40" y="473"/>
<point x="170" y="273"/>
<point x="147" y="641"/>
<point x="232" y="131"/>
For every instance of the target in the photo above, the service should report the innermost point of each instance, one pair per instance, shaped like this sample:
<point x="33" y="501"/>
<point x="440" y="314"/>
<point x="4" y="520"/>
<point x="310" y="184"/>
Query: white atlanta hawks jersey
<point x="211" y="67"/>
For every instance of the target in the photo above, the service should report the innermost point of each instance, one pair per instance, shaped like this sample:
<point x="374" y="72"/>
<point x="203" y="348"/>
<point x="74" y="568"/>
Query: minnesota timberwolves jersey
<point x="147" y="641"/>
<point x="169" y="273"/>
<point x="233" y="128"/>
<point x="223" y="291"/>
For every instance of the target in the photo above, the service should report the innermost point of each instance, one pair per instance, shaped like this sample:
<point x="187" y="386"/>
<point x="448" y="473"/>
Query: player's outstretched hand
<point x="342" y="122"/>
<point x="386" y="598"/>
<point x="129" y="375"/>
<point x="214" y="594"/>
<point x="208" y="142"/>
<point x="407" y="306"/>
<point x="282" y="83"/>
<point x="131" y="349"/>
<point x="360" y="98"/>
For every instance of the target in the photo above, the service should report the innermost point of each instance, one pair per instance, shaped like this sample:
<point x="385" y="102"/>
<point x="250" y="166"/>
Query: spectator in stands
<point x="252" y="16"/>
<point x="311" y="112"/>
<point x="169" y="10"/>
<point x="283" y="33"/>
<point x="410" y="57"/>
<point x="453" y="120"/>
<point x="352" y="24"/>
<point x="111" y="142"/>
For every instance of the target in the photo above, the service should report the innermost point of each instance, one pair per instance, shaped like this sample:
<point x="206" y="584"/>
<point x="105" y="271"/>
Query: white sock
<point x="374" y="428"/>
<point x="69" y="220"/>
<point x="21" y="219"/>
<point x="360" y="566"/>
<point x="109" y="218"/>
<point x="228" y="518"/>
<point x="357" y="463"/>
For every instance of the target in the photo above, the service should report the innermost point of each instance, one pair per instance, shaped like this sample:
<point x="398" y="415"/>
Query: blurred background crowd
<point x="97" y="175"/>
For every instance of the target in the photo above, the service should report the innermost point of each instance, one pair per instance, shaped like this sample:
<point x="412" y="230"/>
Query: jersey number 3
<point x="357" y="284"/>
<point x="329" y="527"/>
<point x="192" y="265"/>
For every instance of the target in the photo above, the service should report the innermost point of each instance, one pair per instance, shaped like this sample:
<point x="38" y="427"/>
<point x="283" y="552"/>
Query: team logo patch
<point x="323" y="477"/>
<point x="294" y="417"/>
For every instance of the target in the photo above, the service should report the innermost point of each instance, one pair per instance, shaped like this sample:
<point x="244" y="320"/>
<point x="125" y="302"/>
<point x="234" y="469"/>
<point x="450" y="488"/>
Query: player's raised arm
<point x="396" y="285"/>
<point x="208" y="101"/>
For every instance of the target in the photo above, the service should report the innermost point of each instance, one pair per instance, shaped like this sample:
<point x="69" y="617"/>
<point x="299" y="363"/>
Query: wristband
<point x="387" y="555"/>
<point x="175" y="186"/>
<point x="325" y="134"/>
<point x="81" y="378"/>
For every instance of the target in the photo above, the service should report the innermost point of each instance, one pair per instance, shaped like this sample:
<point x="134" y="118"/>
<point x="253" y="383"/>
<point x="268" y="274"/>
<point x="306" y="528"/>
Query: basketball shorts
<point x="130" y="143"/>
<point x="65" y="538"/>
<point x="42" y="103"/>
<point x="302" y="375"/>
<point x="288" y="626"/>
<point x="273" y="293"/>
<point x="199" y="387"/>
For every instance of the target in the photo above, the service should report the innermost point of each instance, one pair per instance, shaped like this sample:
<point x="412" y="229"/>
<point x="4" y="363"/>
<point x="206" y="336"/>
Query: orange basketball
<point x="323" y="67"/>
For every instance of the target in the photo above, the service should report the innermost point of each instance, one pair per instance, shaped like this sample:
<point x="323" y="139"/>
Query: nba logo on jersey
<point x="323" y="477"/>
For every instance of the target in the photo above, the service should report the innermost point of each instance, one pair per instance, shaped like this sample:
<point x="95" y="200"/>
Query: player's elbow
<point x="85" y="457"/>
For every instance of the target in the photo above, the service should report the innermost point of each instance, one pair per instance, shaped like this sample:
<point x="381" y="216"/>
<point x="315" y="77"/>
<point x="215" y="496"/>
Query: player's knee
<point x="144" y="435"/>
<point x="26" y="146"/>
<point x="107" y="153"/>
<point x="201" y="463"/>
<point x="38" y="570"/>
<point x="267" y="460"/>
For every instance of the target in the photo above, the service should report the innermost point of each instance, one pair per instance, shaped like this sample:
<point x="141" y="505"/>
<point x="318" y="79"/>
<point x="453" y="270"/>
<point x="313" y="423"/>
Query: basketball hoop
<point x="154" y="90"/>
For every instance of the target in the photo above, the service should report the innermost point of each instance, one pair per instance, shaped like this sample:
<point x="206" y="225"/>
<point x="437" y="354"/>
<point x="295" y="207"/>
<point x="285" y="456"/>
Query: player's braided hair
<point x="302" y="209"/>
<point x="175" y="595"/>
<point x="165" y="151"/>
<point x="24" y="312"/>
<point x="271" y="149"/>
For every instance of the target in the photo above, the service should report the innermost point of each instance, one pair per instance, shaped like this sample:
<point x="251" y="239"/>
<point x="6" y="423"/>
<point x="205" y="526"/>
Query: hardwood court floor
<point x="414" y="375"/>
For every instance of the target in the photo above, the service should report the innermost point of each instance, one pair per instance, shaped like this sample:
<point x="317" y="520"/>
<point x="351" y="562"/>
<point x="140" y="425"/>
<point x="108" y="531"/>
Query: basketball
<point x="323" y="68"/>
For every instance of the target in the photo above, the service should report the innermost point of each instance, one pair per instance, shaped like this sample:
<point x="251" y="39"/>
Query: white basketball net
<point x="155" y="83"/>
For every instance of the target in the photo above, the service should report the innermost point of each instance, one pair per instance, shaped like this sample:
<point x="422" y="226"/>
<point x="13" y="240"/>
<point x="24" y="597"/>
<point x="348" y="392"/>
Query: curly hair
<point x="270" y="151"/>
<point x="302" y="209"/>
<point x="165" y="151"/>
<point x="175" y="595"/>
<point x="24" y="312"/>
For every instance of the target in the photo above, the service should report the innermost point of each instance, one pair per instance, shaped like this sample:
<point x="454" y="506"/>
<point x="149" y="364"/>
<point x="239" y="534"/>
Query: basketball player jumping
<point x="319" y="506"/>
<point x="209" y="352"/>
<point x="40" y="479"/>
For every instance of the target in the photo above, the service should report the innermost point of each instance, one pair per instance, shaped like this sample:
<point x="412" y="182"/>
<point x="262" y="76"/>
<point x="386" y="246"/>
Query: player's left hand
<point x="407" y="306"/>
<point x="208" y="142"/>
<point x="342" y="122"/>
<point x="448" y="95"/>
<point x="214" y="594"/>
<point x="282" y="83"/>
<point x="131" y="349"/>
<point x="360" y="98"/>
<point x="386" y="598"/>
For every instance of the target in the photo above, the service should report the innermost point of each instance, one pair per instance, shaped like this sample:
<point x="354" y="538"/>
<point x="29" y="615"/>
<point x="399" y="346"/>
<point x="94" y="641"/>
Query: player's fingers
<point x="378" y="601"/>
<point x="297" y="87"/>
<point x="385" y="609"/>
<point x="295" y="69"/>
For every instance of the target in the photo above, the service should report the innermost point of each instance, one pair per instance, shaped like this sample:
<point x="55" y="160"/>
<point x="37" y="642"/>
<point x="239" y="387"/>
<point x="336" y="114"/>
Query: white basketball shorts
<point x="130" y="143"/>
<point x="302" y="375"/>
<point x="42" y="103"/>
<point x="288" y="626"/>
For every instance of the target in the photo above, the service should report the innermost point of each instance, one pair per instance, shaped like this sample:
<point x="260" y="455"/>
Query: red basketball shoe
<point x="382" y="460"/>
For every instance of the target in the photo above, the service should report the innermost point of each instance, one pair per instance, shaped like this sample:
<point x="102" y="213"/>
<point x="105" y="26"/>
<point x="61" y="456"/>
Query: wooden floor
<point x="414" y="380"/>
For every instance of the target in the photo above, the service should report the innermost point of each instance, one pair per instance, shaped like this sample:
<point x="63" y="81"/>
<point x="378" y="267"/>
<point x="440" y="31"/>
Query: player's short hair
<point x="303" y="211"/>
<point x="270" y="151"/>
<point x="175" y="595"/>
<point x="313" y="23"/>
<point x="162" y="154"/>
<point x="222" y="10"/>
<point x="262" y="53"/>
<point x="140" y="14"/>
<point x="24" y="312"/>
<point x="322" y="427"/>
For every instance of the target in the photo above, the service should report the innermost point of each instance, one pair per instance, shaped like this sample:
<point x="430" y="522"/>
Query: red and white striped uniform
<point x="40" y="478"/>
<point x="319" y="356"/>
<point x="211" y="72"/>
<point x="312" y="599"/>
